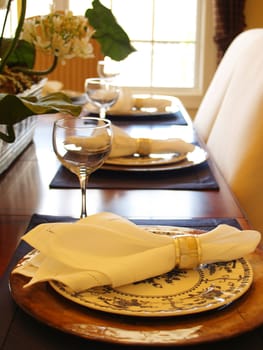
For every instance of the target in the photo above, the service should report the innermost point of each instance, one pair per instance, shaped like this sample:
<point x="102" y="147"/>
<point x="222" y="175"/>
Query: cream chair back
<point x="235" y="140"/>
<point x="245" y="45"/>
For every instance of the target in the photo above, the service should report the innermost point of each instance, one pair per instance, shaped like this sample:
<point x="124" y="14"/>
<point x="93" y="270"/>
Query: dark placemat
<point x="19" y="330"/>
<point x="175" y="118"/>
<point x="198" y="223"/>
<point x="198" y="177"/>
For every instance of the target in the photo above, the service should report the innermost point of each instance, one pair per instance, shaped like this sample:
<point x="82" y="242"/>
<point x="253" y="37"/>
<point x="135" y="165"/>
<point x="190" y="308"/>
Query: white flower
<point x="62" y="35"/>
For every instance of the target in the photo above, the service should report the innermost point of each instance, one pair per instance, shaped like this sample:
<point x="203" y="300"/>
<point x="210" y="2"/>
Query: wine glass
<point x="82" y="145"/>
<point x="101" y="93"/>
<point x="108" y="68"/>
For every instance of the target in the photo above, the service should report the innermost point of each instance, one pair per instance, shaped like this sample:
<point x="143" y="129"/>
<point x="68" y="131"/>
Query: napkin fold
<point x="125" y="145"/>
<point x="106" y="249"/>
<point x="130" y="103"/>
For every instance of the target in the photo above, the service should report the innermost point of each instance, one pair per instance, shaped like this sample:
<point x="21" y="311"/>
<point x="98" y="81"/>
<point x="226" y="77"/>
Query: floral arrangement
<point x="62" y="35"/>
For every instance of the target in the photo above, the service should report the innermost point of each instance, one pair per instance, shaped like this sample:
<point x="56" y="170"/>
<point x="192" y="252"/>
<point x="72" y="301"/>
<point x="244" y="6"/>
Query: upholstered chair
<point x="230" y="121"/>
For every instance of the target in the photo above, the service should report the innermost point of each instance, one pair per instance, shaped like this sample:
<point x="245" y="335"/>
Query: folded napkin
<point x="106" y="249"/>
<point x="124" y="103"/>
<point x="142" y="103"/>
<point x="125" y="145"/>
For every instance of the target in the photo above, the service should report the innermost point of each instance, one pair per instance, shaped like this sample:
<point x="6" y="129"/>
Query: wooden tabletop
<point x="25" y="191"/>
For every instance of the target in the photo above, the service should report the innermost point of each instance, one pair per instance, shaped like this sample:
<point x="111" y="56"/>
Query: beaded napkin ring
<point x="187" y="251"/>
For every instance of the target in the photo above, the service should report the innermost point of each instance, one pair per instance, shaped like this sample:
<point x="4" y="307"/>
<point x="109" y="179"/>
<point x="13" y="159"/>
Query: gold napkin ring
<point x="144" y="146"/>
<point x="188" y="251"/>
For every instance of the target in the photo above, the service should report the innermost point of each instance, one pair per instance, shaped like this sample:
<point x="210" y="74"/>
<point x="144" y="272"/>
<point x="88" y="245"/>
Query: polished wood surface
<point x="25" y="191"/>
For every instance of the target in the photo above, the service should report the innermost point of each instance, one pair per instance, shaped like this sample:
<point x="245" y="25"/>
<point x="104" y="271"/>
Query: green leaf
<point x="23" y="55"/>
<point x="113" y="40"/>
<point x="15" y="109"/>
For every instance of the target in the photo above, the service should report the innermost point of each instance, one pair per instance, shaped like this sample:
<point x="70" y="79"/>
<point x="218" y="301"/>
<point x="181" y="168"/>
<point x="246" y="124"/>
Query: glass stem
<point x="102" y="112"/>
<point x="83" y="180"/>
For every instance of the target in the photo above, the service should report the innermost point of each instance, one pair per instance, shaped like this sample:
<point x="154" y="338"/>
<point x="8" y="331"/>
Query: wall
<point x="73" y="73"/>
<point x="254" y="13"/>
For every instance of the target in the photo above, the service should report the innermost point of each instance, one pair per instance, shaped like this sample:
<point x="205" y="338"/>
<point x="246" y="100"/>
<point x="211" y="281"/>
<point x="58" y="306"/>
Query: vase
<point x="24" y="132"/>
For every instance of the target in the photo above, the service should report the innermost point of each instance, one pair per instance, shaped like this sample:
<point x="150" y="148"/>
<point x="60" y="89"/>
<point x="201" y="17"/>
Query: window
<point x="171" y="38"/>
<point x="37" y="7"/>
<point x="11" y="21"/>
<point x="165" y="35"/>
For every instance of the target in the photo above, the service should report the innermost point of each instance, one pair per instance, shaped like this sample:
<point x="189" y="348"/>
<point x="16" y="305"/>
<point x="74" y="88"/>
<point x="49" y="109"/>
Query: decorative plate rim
<point x="125" y="301"/>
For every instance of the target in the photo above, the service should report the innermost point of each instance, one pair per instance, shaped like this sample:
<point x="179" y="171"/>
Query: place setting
<point x="103" y="95"/>
<point x="146" y="154"/>
<point x="141" y="107"/>
<point x="92" y="268"/>
<point x="134" y="154"/>
<point x="172" y="163"/>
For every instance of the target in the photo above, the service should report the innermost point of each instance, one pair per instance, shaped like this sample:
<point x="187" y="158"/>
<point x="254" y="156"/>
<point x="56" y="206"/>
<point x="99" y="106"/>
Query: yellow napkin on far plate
<point x="130" y="103"/>
<point x="106" y="249"/>
<point x="125" y="145"/>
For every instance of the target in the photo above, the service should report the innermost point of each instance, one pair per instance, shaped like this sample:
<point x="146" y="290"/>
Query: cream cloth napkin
<point x="130" y="103"/>
<point x="106" y="249"/>
<point x="125" y="145"/>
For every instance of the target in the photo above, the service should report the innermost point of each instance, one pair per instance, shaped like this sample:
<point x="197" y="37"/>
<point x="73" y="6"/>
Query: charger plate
<point x="158" y="162"/>
<point x="246" y="313"/>
<point x="149" y="160"/>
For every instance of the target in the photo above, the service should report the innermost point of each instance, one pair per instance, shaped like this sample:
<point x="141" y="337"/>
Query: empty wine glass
<point x="82" y="145"/>
<point x="101" y="93"/>
<point x="108" y="68"/>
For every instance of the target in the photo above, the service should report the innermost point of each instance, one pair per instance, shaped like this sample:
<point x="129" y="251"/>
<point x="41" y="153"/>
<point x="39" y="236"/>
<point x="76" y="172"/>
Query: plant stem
<point x="36" y="72"/>
<point x="5" y="20"/>
<point x="17" y="35"/>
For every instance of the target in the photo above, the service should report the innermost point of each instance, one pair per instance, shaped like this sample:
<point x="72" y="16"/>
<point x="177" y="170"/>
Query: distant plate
<point x="151" y="159"/>
<point x="157" y="163"/>
<point x="142" y="105"/>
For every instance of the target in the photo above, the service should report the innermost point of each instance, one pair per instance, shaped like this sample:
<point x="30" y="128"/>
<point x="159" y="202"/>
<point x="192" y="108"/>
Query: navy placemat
<point x="175" y="118"/>
<point x="198" y="223"/>
<point x="198" y="177"/>
<point x="17" y="327"/>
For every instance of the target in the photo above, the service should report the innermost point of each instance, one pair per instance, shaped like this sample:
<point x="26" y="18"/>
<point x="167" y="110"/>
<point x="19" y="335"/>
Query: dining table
<point x="191" y="194"/>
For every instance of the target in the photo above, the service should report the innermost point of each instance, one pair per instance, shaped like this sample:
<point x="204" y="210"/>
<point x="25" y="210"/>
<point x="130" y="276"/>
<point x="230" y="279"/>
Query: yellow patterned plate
<point x="178" y="292"/>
